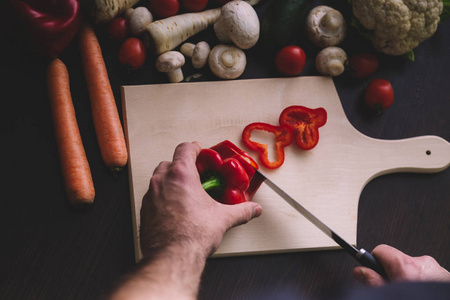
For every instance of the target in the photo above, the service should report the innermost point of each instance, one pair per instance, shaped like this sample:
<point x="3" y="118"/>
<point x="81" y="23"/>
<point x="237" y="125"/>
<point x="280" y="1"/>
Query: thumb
<point x="368" y="276"/>
<point x="243" y="212"/>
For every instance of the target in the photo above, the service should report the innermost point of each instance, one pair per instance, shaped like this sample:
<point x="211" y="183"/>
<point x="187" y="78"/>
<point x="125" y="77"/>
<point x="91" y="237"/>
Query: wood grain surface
<point x="327" y="180"/>
<point x="49" y="250"/>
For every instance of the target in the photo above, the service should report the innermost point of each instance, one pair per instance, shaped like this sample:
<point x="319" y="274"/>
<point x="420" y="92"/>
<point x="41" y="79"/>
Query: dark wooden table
<point x="48" y="250"/>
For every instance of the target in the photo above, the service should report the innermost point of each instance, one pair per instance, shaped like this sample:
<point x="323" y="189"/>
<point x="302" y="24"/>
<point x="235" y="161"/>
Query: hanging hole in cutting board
<point x="428" y="152"/>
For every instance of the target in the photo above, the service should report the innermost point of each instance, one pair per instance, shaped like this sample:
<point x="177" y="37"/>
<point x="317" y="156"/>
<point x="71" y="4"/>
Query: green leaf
<point x="445" y="11"/>
<point x="409" y="55"/>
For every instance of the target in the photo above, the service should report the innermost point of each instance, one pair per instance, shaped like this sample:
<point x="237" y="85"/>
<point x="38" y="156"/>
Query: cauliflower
<point x="398" y="26"/>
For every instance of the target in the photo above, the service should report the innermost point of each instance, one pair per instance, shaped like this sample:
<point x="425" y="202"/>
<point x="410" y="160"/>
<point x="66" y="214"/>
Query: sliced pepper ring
<point x="283" y="138"/>
<point x="305" y="123"/>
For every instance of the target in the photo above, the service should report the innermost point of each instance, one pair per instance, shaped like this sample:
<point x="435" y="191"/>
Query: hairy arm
<point x="181" y="225"/>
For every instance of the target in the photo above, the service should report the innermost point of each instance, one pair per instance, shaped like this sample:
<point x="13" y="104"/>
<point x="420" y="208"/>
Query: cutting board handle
<point x="424" y="154"/>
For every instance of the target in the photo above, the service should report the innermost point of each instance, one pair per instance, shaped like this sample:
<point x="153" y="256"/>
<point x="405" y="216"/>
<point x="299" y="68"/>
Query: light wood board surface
<point x="327" y="180"/>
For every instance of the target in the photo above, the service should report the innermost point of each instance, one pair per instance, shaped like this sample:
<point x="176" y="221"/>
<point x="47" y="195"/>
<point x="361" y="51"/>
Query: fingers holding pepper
<point x="177" y="212"/>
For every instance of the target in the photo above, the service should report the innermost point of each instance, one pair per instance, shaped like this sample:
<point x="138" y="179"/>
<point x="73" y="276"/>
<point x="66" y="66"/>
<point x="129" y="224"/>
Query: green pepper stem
<point x="212" y="183"/>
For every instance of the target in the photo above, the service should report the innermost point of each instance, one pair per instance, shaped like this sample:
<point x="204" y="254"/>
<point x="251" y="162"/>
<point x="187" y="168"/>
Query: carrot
<point x="106" y="119"/>
<point x="74" y="165"/>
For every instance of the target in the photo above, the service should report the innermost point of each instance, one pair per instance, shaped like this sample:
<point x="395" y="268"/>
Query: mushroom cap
<point x="239" y="24"/>
<point x="169" y="61"/>
<point x="227" y="61"/>
<point x="325" y="26"/>
<point x="331" y="61"/>
<point x="187" y="49"/>
<point x="200" y="54"/>
<point x="139" y="18"/>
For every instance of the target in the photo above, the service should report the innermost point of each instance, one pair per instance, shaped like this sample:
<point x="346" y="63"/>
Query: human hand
<point x="401" y="267"/>
<point x="177" y="212"/>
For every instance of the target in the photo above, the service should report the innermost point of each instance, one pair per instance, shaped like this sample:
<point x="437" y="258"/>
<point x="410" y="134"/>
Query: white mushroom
<point x="128" y="13"/>
<point x="239" y="24"/>
<point x="331" y="61"/>
<point x="198" y="53"/>
<point x="325" y="26"/>
<point x="171" y="62"/>
<point x="138" y="19"/>
<point x="227" y="62"/>
<point x="187" y="49"/>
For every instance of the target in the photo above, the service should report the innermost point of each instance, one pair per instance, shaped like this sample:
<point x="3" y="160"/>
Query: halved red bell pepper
<point x="224" y="179"/>
<point x="228" y="149"/>
<point x="305" y="123"/>
<point x="283" y="138"/>
<point x="227" y="173"/>
<point x="46" y="26"/>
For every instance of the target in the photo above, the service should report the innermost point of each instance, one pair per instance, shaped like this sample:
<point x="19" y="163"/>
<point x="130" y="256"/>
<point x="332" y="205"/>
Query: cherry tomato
<point x="194" y="5"/>
<point x="118" y="29"/>
<point x="290" y="60"/>
<point x="362" y="65"/>
<point x="163" y="8"/>
<point x="379" y="95"/>
<point x="132" y="53"/>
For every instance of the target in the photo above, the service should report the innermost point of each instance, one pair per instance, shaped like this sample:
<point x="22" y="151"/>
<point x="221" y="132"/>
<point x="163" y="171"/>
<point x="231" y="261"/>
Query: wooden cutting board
<point x="327" y="180"/>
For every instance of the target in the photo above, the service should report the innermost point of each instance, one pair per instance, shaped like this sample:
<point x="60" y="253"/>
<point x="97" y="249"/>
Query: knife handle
<point x="368" y="260"/>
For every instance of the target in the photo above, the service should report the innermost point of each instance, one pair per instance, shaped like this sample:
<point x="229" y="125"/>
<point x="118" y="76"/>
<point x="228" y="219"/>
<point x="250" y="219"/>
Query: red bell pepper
<point x="305" y="123"/>
<point x="228" y="149"/>
<point x="283" y="138"/>
<point x="224" y="180"/>
<point x="46" y="26"/>
<point x="227" y="173"/>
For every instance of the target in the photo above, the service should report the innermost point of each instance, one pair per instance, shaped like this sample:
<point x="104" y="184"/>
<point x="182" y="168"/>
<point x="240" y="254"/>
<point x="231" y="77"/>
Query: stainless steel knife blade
<point x="364" y="257"/>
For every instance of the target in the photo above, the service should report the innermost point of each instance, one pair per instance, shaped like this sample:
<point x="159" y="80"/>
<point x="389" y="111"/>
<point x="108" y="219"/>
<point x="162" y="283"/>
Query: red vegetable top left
<point x="44" y="26"/>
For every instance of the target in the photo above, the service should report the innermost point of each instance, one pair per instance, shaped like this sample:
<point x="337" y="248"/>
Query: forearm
<point x="172" y="273"/>
<point x="181" y="225"/>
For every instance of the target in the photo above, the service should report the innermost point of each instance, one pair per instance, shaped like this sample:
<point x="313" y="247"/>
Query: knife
<point x="361" y="255"/>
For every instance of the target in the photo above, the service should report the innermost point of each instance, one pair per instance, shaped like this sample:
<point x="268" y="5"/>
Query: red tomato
<point x="194" y="5"/>
<point x="132" y="53"/>
<point x="379" y="95"/>
<point x="362" y="65"/>
<point x="163" y="8"/>
<point x="118" y="29"/>
<point x="290" y="60"/>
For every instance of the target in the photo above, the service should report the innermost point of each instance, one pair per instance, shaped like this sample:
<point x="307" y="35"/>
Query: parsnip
<point x="103" y="11"/>
<point x="166" y="34"/>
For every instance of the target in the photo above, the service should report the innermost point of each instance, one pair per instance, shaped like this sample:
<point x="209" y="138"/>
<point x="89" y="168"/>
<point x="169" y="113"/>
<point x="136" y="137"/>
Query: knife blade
<point x="361" y="255"/>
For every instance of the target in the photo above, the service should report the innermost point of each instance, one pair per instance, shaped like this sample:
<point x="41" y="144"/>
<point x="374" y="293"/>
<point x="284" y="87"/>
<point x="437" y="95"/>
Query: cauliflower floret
<point x="398" y="26"/>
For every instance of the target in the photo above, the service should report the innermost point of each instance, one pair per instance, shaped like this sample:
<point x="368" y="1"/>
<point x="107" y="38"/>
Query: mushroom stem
<point x="171" y="62"/>
<point x="229" y="58"/>
<point x="325" y="26"/>
<point x="227" y="62"/>
<point x="331" y="61"/>
<point x="175" y="75"/>
<point x="331" y="21"/>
